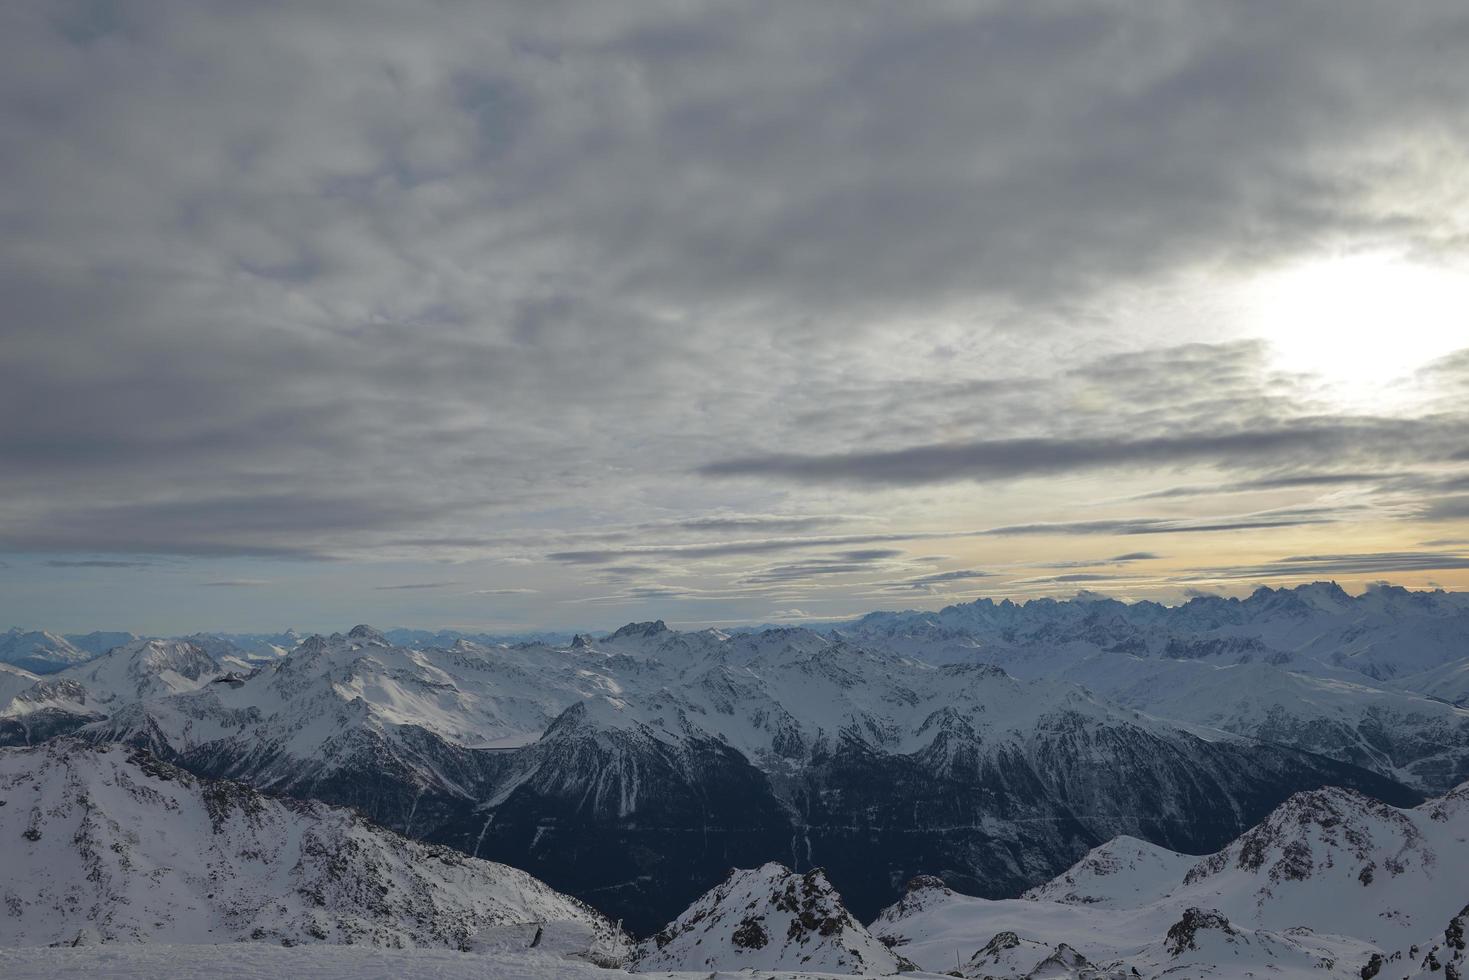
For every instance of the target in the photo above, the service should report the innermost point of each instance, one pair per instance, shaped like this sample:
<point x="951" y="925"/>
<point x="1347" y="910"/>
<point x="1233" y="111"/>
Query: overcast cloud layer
<point x="566" y="315"/>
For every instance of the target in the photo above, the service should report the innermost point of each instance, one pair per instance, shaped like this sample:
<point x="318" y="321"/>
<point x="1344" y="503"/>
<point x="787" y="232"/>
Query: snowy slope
<point x="258" y="961"/>
<point x="111" y="845"/>
<point x="1328" y="879"/>
<point x="1443" y="956"/>
<point x="768" y="918"/>
<point x="1122" y="873"/>
<point x="1449" y="682"/>
<point x="13" y="680"/>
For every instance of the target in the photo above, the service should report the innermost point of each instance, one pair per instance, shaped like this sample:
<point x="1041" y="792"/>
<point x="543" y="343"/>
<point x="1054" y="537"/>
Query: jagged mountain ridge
<point x="634" y="769"/>
<point x="110" y="844"/>
<point x="1372" y="680"/>
<point x="1327" y="881"/>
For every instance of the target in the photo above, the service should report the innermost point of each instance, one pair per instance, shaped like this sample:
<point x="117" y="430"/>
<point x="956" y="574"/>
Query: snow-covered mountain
<point x="111" y="845"/>
<point x="1413" y="738"/>
<point x="633" y="769"/>
<point x="1384" y="634"/>
<point x="246" y="646"/>
<point x="1326" y="882"/>
<point x="70" y="698"/>
<point x="38" y="651"/>
<point x="1373" y="680"/>
<point x="768" y="918"/>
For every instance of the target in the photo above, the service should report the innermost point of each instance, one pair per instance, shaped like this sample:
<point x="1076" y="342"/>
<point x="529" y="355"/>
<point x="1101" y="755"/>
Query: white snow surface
<point x="258" y="961"/>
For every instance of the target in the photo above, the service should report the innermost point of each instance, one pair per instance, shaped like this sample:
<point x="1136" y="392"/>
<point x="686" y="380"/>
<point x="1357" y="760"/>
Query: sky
<point x="555" y="315"/>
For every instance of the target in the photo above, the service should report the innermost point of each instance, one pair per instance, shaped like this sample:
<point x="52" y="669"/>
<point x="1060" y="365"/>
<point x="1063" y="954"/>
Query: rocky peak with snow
<point x="768" y="918"/>
<point x="640" y="631"/>
<point x="367" y="635"/>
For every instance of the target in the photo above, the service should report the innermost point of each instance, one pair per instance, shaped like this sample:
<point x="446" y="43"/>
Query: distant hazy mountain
<point x="99" y="642"/>
<point x="38" y="651"/>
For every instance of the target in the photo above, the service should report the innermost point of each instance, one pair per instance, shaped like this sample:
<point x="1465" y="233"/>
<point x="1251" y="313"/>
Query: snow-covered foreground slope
<point x="256" y="961"/>
<point x="1326" y="881"/>
<point x="768" y="918"/>
<point x="111" y="845"/>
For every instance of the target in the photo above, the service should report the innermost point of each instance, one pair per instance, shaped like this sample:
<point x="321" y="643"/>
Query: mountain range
<point x="991" y="744"/>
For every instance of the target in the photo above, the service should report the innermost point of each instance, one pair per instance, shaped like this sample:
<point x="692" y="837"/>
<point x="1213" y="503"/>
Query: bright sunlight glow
<point x="1361" y="322"/>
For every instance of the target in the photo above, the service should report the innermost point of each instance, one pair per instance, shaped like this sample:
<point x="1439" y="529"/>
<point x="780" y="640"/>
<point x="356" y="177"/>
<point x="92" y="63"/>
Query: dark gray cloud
<point x="1291" y="517"/>
<point x="1134" y="556"/>
<point x="1293" y="481"/>
<point x="598" y="556"/>
<point x="413" y="586"/>
<point x="1005" y="459"/>
<point x="1447" y="509"/>
<point x="236" y="583"/>
<point x="97" y="563"/>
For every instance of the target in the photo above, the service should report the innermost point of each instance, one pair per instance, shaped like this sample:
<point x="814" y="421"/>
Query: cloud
<point x="841" y="563"/>
<point x="503" y="592"/>
<point x="413" y="586"/>
<point x="237" y="583"/>
<point x="1289" y="517"/>
<point x="1006" y="459"/>
<point x="97" y="563"/>
<point x="1372" y="563"/>
<point x="1134" y="556"/>
<point x="1447" y="509"/>
<point x="1294" y="481"/>
<point x="482" y="285"/>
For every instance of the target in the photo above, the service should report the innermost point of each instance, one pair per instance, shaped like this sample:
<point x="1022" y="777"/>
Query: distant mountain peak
<point x="631" y="630"/>
<point x="363" y="633"/>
